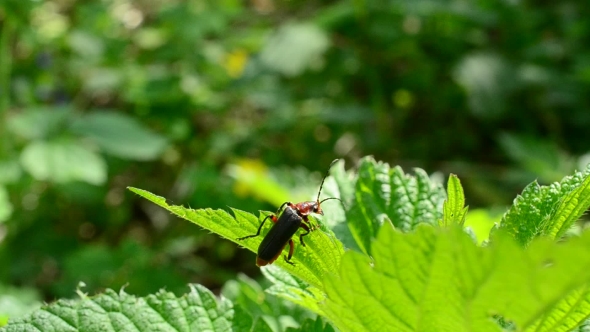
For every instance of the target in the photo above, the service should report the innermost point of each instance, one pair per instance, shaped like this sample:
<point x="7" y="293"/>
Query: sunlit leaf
<point x="320" y="256"/>
<point x="548" y="210"/>
<point x="198" y="310"/>
<point x="438" y="279"/>
<point x="388" y="195"/>
<point x="454" y="209"/>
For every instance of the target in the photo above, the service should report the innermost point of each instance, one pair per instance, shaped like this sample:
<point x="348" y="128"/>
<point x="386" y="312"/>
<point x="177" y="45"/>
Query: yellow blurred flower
<point x="235" y="62"/>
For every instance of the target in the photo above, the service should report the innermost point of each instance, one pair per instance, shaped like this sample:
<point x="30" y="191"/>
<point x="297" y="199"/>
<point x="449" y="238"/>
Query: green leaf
<point x="290" y="288"/>
<point x="566" y="314"/>
<point x="316" y="325"/>
<point x="341" y="184"/>
<point x="385" y="194"/>
<point x="548" y="210"/>
<point x="319" y="258"/>
<point x="437" y="279"/>
<point x="242" y="321"/>
<point x="481" y="221"/>
<point x="63" y="161"/>
<point x="39" y="123"/>
<point x="249" y="295"/>
<point x="197" y="310"/>
<point x="120" y="135"/>
<point x="584" y="327"/>
<point x="454" y="209"/>
<point x="570" y="209"/>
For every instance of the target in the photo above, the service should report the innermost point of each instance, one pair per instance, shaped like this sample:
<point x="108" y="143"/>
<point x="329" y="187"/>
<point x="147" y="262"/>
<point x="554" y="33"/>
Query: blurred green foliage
<point x="193" y="99"/>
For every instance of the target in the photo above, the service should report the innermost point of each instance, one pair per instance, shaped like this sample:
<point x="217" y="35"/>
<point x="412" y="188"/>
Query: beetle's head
<point x="317" y="209"/>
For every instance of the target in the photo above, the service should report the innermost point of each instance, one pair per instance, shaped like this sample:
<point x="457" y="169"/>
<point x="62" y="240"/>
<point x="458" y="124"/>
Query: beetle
<point x="293" y="217"/>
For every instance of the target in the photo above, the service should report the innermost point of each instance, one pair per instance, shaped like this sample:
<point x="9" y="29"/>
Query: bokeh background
<point x="244" y="104"/>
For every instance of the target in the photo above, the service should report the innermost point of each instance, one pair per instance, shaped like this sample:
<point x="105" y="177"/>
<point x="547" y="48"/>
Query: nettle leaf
<point x="437" y="279"/>
<point x="198" y="310"/>
<point x="385" y="194"/>
<point x="258" y="303"/>
<point x="319" y="258"/>
<point x="584" y="327"/>
<point x="317" y="325"/>
<point x="341" y="184"/>
<point x="548" y="210"/>
<point x="566" y="314"/>
<point x="454" y="209"/>
<point x="288" y="287"/>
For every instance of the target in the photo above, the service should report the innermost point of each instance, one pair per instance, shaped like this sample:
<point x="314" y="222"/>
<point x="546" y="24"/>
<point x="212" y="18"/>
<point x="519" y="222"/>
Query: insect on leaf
<point x="319" y="258"/>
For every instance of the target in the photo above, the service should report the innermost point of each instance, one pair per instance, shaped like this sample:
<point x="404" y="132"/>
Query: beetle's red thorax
<point x="305" y="208"/>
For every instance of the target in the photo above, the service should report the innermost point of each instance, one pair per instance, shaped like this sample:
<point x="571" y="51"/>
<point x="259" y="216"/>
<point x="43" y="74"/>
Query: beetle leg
<point x="273" y="217"/>
<point x="291" y="249"/>
<point x="307" y="230"/>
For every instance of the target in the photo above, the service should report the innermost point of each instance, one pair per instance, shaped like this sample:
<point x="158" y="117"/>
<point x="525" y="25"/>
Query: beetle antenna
<point x="324" y="179"/>
<point x="329" y="198"/>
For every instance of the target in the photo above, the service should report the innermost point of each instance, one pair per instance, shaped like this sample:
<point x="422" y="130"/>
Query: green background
<point x="245" y="104"/>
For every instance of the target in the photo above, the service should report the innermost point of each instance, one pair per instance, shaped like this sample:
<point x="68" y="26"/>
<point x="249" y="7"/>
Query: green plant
<point x="415" y="268"/>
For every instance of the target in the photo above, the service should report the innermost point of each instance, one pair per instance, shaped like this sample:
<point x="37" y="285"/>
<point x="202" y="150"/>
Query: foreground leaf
<point x="548" y="210"/>
<point x="566" y="314"/>
<point x="438" y="280"/>
<point x="199" y="310"/>
<point x="319" y="258"/>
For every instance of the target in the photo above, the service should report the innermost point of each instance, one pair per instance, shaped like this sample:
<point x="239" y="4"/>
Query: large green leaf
<point x="548" y="210"/>
<point x="198" y="310"/>
<point x="319" y="258"/>
<point x="566" y="314"/>
<point x="437" y="279"/>
<point x="385" y="194"/>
